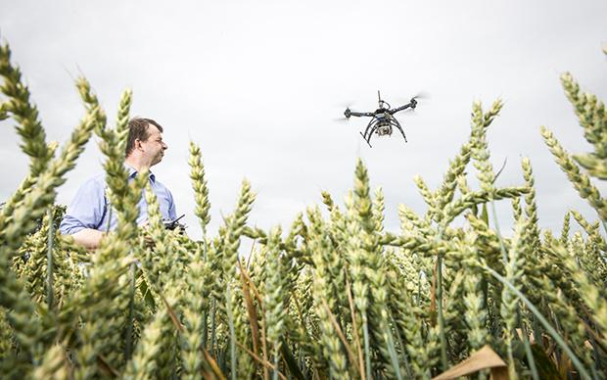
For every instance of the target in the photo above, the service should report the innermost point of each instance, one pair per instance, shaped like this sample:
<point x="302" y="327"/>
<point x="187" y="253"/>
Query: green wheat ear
<point x="199" y="183"/>
<point x="580" y="181"/>
<point x="24" y="113"/>
<point x="4" y="111"/>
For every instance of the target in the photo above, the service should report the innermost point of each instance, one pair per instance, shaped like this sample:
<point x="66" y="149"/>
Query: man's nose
<point x="164" y="146"/>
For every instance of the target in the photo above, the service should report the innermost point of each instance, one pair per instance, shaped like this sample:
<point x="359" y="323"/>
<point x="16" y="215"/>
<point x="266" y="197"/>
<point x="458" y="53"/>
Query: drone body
<point x="382" y="121"/>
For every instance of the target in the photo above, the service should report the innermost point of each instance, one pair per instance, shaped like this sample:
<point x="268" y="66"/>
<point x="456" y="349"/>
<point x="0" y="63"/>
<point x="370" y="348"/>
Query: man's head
<point x="145" y="143"/>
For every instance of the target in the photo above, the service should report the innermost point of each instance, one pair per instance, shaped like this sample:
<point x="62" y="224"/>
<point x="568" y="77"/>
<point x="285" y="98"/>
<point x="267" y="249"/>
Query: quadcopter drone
<point x="383" y="119"/>
<point x="174" y="224"/>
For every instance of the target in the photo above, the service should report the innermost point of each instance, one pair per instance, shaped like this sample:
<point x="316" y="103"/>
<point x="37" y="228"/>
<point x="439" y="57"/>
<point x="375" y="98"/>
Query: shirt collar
<point x="133" y="173"/>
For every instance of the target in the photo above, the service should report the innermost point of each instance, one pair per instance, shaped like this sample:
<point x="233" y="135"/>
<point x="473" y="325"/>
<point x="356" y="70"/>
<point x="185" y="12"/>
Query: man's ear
<point x="138" y="144"/>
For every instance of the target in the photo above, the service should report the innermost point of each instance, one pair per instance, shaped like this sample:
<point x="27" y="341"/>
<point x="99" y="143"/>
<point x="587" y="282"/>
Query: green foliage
<point x="335" y="296"/>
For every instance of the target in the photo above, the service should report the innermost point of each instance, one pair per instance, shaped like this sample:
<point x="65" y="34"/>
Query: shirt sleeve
<point x="172" y="208"/>
<point x="86" y="210"/>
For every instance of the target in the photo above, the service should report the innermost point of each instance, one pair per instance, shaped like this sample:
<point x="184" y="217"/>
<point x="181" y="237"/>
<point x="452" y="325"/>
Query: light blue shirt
<point x="90" y="207"/>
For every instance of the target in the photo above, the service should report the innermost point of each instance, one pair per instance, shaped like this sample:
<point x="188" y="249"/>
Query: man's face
<point x="153" y="147"/>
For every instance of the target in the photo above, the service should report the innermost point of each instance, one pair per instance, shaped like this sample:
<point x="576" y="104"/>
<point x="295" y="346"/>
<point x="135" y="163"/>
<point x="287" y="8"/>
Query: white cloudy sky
<point x="259" y="84"/>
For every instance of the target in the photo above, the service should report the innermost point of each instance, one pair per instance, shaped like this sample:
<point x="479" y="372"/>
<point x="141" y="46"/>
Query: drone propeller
<point x="414" y="101"/>
<point x="400" y="100"/>
<point x="344" y="117"/>
<point x="341" y="119"/>
<point x="421" y="95"/>
<point x="346" y="106"/>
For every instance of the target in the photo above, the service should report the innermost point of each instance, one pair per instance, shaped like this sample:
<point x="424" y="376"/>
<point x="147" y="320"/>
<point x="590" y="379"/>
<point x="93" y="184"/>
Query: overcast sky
<point x="259" y="84"/>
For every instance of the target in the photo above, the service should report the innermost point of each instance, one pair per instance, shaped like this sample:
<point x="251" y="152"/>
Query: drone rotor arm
<point x="402" y="108"/>
<point x="361" y="114"/>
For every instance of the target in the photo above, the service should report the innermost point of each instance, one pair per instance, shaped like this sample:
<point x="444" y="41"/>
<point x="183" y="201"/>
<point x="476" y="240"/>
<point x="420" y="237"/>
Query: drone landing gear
<point x="367" y="141"/>
<point x="397" y="124"/>
<point x="372" y="128"/>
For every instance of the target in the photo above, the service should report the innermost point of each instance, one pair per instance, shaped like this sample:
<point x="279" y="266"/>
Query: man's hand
<point x="147" y="239"/>
<point x="88" y="238"/>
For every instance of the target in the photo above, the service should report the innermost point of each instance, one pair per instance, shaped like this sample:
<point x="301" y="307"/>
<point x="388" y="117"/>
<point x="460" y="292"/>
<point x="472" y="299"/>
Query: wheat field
<point x="333" y="296"/>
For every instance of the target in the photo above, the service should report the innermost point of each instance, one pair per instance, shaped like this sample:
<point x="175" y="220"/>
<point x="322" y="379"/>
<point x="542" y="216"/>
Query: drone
<point x="174" y="224"/>
<point x="383" y="119"/>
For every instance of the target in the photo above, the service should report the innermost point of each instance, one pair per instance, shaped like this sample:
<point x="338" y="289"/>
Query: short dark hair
<point x="138" y="130"/>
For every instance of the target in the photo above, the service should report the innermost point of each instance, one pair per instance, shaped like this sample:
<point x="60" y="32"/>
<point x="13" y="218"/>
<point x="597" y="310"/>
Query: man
<point x="88" y="216"/>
